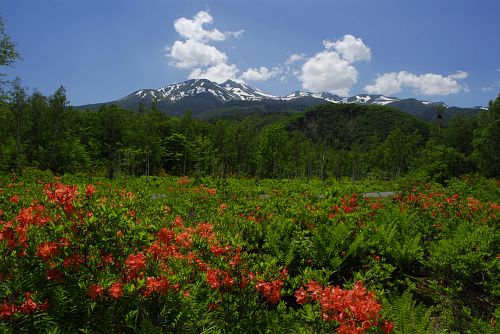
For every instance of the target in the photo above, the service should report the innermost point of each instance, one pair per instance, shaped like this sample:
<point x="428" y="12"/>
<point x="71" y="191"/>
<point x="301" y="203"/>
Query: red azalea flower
<point x="154" y="284"/>
<point x="73" y="260"/>
<point x="116" y="290"/>
<point x="107" y="259"/>
<point x="184" y="239"/>
<point x="46" y="250"/>
<point x="212" y="278"/>
<point x="178" y="221"/>
<point x="90" y="190"/>
<point x="95" y="291"/>
<point x="227" y="281"/>
<point x="217" y="250"/>
<point x="165" y="235"/>
<point x="355" y="310"/>
<point x="387" y="327"/>
<point x="29" y="305"/>
<point x="7" y="311"/>
<point x="136" y="262"/>
<point x="301" y="296"/>
<point x="270" y="290"/>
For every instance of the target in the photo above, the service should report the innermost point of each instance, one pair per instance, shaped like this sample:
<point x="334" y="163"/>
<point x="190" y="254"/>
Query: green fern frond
<point x="408" y="317"/>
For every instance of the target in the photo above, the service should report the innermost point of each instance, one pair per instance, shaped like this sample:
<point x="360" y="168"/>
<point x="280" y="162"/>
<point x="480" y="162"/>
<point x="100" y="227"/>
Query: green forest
<point x="329" y="140"/>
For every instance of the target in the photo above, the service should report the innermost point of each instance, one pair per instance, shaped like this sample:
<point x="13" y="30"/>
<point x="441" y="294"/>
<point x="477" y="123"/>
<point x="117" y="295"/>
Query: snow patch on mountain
<point x="238" y="91"/>
<point x="245" y="92"/>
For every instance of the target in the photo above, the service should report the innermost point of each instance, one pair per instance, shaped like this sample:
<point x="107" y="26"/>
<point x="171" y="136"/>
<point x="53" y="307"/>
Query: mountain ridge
<point x="202" y="95"/>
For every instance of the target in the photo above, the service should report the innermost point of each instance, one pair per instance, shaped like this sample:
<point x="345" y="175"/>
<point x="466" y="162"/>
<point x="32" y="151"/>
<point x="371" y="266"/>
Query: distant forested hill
<point x="342" y="126"/>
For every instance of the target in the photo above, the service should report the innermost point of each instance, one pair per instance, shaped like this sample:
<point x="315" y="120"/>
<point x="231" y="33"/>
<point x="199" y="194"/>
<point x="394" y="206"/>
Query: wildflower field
<point x="184" y="255"/>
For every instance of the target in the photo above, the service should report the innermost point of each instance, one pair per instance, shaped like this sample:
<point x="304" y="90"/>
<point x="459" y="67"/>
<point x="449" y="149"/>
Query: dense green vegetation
<point x="327" y="140"/>
<point x="82" y="254"/>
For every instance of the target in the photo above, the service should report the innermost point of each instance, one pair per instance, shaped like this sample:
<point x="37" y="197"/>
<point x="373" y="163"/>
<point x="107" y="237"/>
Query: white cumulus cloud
<point x="193" y="29"/>
<point x="459" y="75"/>
<point x="260" y="74"/>
<point x="195" y="52"/>
<point x="295" y="58"/>
<point x="350" y="48"/>
<point x="328" y="72"/>
<point x="425" y="84"/>
<point x="387" y="84"/>
<point x="331" y="70"/>
<point x="218" y="73"/>
<point x="192" y="53"/>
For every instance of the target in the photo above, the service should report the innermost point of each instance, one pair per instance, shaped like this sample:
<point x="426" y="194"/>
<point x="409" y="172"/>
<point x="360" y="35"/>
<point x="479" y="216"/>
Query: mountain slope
<point x="341" y="126"/>
<point x="206" y="99"/>
<point x="247" y="93"/>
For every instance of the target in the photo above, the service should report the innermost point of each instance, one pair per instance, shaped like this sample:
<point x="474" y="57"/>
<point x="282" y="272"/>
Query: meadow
<point x="210" y="255"/>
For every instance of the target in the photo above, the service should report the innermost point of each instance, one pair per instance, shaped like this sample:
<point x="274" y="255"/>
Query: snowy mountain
<point x="183" y="90"/>
<point x="360" y="99"/>
<point x="247" y="93"/>
<point x="202" y="96"/>
<point x="235" y="91"/>
<point x="321" y="96"/>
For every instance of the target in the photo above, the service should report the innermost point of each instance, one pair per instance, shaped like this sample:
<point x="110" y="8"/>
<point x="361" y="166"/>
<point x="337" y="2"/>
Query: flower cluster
<point x="354" y="310"/>
<point x="15" y="232"/>
<point x="270" y="290"/>
<point x="439" y="206"/>
<point x="9" y="310"/>
<point x="62" y="195"/>
<point x="159" y="285"/>
<point x="115" y="291"/>
<point x="135" y="264"/>
<point x="95" y="291"/>
<point x="46" y="250"/>
<point x="112" y="252"/>
<point x="349" y="204"/>
<point x="183" y="180"/>
<point x="218" y="278"/>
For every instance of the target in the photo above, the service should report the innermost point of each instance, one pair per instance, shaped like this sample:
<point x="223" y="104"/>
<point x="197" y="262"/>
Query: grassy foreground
<point x="178" y="255"/>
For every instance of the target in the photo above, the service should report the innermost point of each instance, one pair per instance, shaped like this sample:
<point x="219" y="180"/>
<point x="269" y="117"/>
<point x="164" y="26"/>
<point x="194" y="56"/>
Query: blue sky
<point x="102" y="50"/>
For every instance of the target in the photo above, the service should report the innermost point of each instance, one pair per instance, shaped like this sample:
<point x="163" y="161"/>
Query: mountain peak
<point x="203" y="94"/>
<point x="231" y="83"/>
